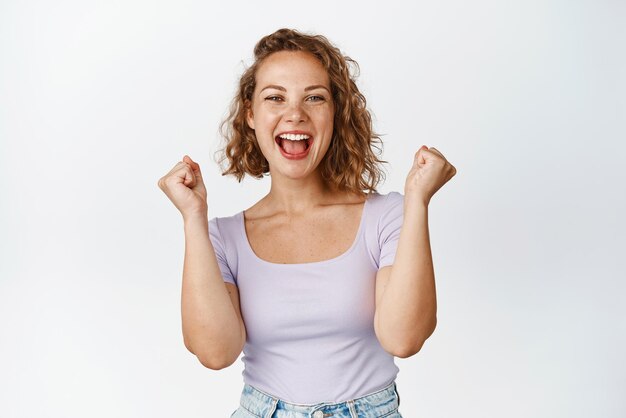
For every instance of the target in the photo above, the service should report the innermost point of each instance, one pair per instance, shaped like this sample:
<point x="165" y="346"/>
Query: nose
<point x="295" y="113"/>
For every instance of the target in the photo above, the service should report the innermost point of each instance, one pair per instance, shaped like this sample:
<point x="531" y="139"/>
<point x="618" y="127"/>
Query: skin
<point x="405" y="292"/>
<point x="406" y="302"/>
<point x="281" y="103"/>
<point x="302" y="217"/>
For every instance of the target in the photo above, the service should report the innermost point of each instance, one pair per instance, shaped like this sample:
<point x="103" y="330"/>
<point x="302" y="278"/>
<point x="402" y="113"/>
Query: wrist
<point x="415" y="201"/>
<point x="196" y="219"/>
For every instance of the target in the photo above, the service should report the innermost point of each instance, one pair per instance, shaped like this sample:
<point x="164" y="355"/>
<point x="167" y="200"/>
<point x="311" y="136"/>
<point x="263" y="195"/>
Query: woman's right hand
<point x="184" y="186"/>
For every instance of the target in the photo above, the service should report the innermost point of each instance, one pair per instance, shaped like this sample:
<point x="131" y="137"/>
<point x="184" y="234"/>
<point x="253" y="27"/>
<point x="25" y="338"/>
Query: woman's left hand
<point x="430" y="171"/>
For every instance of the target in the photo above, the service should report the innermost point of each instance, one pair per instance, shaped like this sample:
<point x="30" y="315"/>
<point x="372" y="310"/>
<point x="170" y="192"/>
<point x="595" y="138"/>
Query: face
<point x="292" y="113"/>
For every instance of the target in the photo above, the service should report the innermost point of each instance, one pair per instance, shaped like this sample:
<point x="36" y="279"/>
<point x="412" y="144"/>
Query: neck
<point x="297" y="196"/>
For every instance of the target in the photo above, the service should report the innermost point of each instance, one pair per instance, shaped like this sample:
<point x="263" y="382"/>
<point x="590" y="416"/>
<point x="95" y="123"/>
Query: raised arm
<point x="213" y="328"/>
<point x="406" y="302"/>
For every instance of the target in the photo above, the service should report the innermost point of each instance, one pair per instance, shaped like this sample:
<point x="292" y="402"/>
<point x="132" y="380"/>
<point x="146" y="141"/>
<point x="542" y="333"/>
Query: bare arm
<point x="212" y="326"/>
<point x="213" y="329"/>
<point x="406" y="303"/>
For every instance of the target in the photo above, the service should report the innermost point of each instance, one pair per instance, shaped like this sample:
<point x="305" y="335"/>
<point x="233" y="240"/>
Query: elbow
<point x="212" y="360"/>
<point x="408" y="350"/>
<point x="215" y="362"/>
<point x="412" y="346"/>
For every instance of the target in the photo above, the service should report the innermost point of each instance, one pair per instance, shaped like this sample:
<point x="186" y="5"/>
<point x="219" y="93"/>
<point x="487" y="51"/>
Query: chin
<point x="293" y="174"/>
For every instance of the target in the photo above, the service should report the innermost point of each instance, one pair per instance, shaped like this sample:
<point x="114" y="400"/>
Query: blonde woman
<point x="323" y="281"/>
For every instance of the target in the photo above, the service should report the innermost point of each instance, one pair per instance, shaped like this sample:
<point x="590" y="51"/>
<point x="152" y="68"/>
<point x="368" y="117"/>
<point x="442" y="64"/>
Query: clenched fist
<point x="429" y="172"/>
<point x="184" y="186"/>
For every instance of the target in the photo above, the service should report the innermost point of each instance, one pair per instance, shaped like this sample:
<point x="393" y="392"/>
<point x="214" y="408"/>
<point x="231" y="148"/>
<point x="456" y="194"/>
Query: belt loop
<point x="272" y="409"/>
<point x="352" y="409"/>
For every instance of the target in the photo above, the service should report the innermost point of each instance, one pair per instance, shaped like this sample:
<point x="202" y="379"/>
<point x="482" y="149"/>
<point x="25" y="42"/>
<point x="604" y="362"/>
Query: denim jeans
<point x="257" y="404"/>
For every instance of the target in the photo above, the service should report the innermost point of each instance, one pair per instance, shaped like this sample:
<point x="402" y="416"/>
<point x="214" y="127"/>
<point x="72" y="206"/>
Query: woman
<point x="325" y="279"/>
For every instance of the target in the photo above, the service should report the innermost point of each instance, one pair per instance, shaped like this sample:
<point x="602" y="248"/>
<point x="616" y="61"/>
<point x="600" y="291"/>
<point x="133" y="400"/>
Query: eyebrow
<point x="281" y="88"/>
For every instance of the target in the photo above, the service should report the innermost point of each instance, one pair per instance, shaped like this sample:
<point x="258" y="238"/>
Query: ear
<point x="249" y="116"/>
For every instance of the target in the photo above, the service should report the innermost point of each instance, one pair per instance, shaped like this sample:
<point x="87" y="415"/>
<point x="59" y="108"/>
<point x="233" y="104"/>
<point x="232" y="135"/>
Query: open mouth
<point x="294" y="144"/>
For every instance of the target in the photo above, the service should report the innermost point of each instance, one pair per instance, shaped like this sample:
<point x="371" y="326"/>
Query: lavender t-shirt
<point x="310" y="326"/>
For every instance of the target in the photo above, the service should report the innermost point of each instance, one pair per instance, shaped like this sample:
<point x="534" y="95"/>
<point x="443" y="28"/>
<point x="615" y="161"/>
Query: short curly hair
<point x="351" y="162"/>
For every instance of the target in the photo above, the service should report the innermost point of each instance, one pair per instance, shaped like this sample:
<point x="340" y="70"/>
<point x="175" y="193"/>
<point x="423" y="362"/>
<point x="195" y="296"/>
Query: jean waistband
<point x="261" y="404"/>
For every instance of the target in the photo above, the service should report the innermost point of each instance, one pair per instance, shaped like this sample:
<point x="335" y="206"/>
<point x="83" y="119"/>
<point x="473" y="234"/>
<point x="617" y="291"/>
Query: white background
<point x="98" y="100"/>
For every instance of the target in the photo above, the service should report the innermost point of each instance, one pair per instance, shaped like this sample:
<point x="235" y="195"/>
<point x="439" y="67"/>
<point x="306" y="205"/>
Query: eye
<point x="316" y="98"/>
<point x="273" y="98"/>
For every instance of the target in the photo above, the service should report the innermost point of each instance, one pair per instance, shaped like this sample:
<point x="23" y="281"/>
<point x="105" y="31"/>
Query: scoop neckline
<point x="242" y="229"/>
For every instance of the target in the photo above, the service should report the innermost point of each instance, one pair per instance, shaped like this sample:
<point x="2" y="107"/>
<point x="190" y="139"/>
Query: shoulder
<point x="385" y="211"/>
<point x="222" y="227"/>
<point x="383" y="203"/>
<point x="388" y="212"/>
<point x="384" y="222"/>
<point x="394" y="198"/>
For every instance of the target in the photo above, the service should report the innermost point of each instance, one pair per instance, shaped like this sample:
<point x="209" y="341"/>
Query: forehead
<point x="291" y="68"/>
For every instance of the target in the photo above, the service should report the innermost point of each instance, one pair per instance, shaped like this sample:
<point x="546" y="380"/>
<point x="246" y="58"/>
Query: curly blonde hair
<point x="351" y="163"/>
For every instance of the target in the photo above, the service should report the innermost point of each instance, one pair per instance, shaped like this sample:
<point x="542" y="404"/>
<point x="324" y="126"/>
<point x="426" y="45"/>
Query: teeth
<point x="294" y="137"/>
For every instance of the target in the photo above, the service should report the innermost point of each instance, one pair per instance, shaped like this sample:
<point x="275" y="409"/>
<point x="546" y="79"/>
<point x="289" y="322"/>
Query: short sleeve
<point x="389" y="226"/>
<point x="220" y="251"/>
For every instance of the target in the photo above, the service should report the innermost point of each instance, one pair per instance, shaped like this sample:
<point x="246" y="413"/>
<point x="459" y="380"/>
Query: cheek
<point x="323" y="117"/>
<point x="267" y="118"/>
